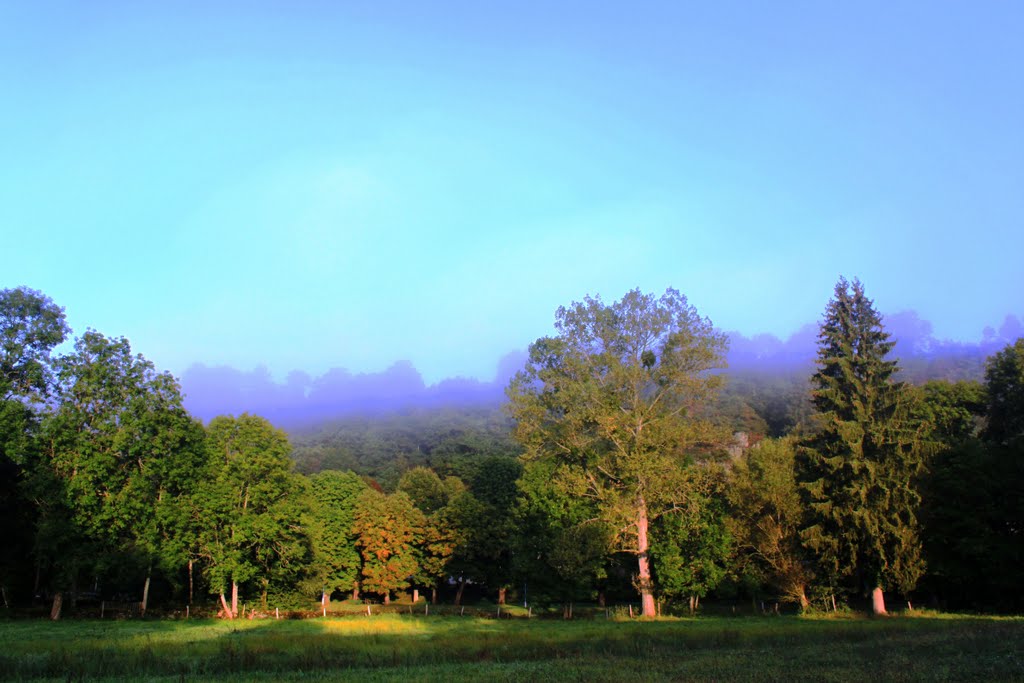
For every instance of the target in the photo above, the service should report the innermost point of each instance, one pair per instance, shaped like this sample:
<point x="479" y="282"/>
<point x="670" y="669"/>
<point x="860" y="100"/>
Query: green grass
<point x="417" y="648"/>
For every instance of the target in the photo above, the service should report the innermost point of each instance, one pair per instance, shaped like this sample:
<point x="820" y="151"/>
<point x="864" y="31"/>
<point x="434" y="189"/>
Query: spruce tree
<point x="857" y="472"/>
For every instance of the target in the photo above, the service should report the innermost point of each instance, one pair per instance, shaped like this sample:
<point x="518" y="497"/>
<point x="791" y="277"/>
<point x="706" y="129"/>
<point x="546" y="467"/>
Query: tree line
<point x="625" y="481"/>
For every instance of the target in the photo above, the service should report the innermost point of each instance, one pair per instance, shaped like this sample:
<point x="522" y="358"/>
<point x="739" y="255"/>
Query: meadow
<point x="926" y="647"/>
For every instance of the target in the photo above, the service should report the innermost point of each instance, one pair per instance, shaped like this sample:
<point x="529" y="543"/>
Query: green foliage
<point x="425" y="489"/>
<point x="467" y="517"/>
<point x="19" y="448"/>
<point x="766" y="515"/>
<point x="483" y="523"/>
<point x="692" y="547"/>
<point x="1004" y="381"/>
<point x="120" y="451"/>
<point x="334" y="496"/>
<point x="951" y="412"/>
<point x="450" y="442"/>
<point x="249" y="509"/>
<point x="857" y="473"/>
<point x="31" y="325"/>
<point x="105" y="478"/>
<point x="494" y="483"/>
<point x="561" y="545"/>
<point x="780" y="401"/>
<point x="612" y="397"/>
<point x="974" y="504"/>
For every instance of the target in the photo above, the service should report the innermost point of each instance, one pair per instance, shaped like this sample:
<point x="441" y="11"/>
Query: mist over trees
<point x="303" y="401"/>
<point x="627" y="464"/>
<point x="767" y="371"/>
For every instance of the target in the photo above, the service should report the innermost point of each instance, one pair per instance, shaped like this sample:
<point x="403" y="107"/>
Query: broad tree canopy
<point x="612" y="399"/>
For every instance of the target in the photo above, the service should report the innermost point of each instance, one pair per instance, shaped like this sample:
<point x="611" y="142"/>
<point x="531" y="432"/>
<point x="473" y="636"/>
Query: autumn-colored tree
<point x="388" y="529"/>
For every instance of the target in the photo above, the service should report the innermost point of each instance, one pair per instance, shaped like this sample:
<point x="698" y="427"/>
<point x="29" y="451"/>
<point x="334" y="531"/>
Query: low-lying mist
<point x="305" y="400"/>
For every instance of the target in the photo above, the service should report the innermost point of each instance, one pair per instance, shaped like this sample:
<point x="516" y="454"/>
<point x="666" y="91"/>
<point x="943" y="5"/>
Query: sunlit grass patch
<point x="453" y="648"/>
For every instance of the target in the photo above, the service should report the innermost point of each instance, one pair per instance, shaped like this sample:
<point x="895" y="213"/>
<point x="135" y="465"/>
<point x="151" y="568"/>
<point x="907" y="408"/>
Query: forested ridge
<point x="627" y="465"/>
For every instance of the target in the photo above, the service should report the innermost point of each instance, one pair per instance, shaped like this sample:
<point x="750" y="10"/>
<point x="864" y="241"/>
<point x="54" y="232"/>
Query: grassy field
<point x="418" y="648"/>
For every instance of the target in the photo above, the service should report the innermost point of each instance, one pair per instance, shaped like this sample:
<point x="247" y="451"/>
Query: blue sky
<point x="309" y="185"/>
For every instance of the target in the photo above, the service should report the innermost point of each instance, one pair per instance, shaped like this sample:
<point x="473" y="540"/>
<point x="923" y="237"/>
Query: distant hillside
<point x="451" y="441"/>
<point x="302" y="402"/>
<point x="379" y="424"/>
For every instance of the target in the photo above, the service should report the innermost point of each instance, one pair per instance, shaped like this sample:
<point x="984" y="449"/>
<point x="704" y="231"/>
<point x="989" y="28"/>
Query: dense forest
<point x="627" y="464"/>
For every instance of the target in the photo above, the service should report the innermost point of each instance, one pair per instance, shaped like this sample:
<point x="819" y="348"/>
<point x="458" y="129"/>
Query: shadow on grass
<point x="743" y="649"/>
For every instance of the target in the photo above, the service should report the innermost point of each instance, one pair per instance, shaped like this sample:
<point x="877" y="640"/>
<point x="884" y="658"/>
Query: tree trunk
<point x="458" y="593"/>
<point x="601" y="600"/>
<point x="234" y="599"/>
<point x="355" y="593"/>
<point x="226" y="607"/>
<point x="415" y="595"/>
<point x="433" y="594"/>
<point x="58" y="602"/>
<point x="877" y="601"/>
<point x="145" y="594"/>
<point x="387" y="597"/>
<point x="501" y="595"/>
<point x="804" y="602"/>
<point x="644" y="561"/>
<point x="190" y="582"/>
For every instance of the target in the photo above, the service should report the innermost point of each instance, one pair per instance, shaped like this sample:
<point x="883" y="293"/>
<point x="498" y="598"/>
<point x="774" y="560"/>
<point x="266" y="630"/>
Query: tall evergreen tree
<point x="857" y="472"/>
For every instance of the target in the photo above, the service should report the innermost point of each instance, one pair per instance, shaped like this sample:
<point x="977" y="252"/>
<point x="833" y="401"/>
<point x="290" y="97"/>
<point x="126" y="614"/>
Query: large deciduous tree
<point x="251" y="525"/>
<point x="561" y="546"/>
<point x="612" y="397"/>
<point x="692" y="547"/>
<point x="857" y="473"/>
<point x="120" y="447"/>
<point x="335" y="494"/>
<point x="766" y="515"/>
<point x="31" y="325"/>
<point x="388" y="529"/>
<point x="441" y="533"/>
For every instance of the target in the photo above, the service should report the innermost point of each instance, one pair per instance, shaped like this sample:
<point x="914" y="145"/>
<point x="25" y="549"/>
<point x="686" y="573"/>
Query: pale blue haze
<point x="310" y="185"/>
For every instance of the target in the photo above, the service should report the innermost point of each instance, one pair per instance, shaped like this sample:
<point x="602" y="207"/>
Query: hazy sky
<point x="319" y="184"/>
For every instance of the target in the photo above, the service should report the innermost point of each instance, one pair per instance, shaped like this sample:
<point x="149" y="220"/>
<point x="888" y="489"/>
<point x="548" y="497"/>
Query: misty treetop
<point x="765" y="372"/>
<point x="620" y="469"/>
